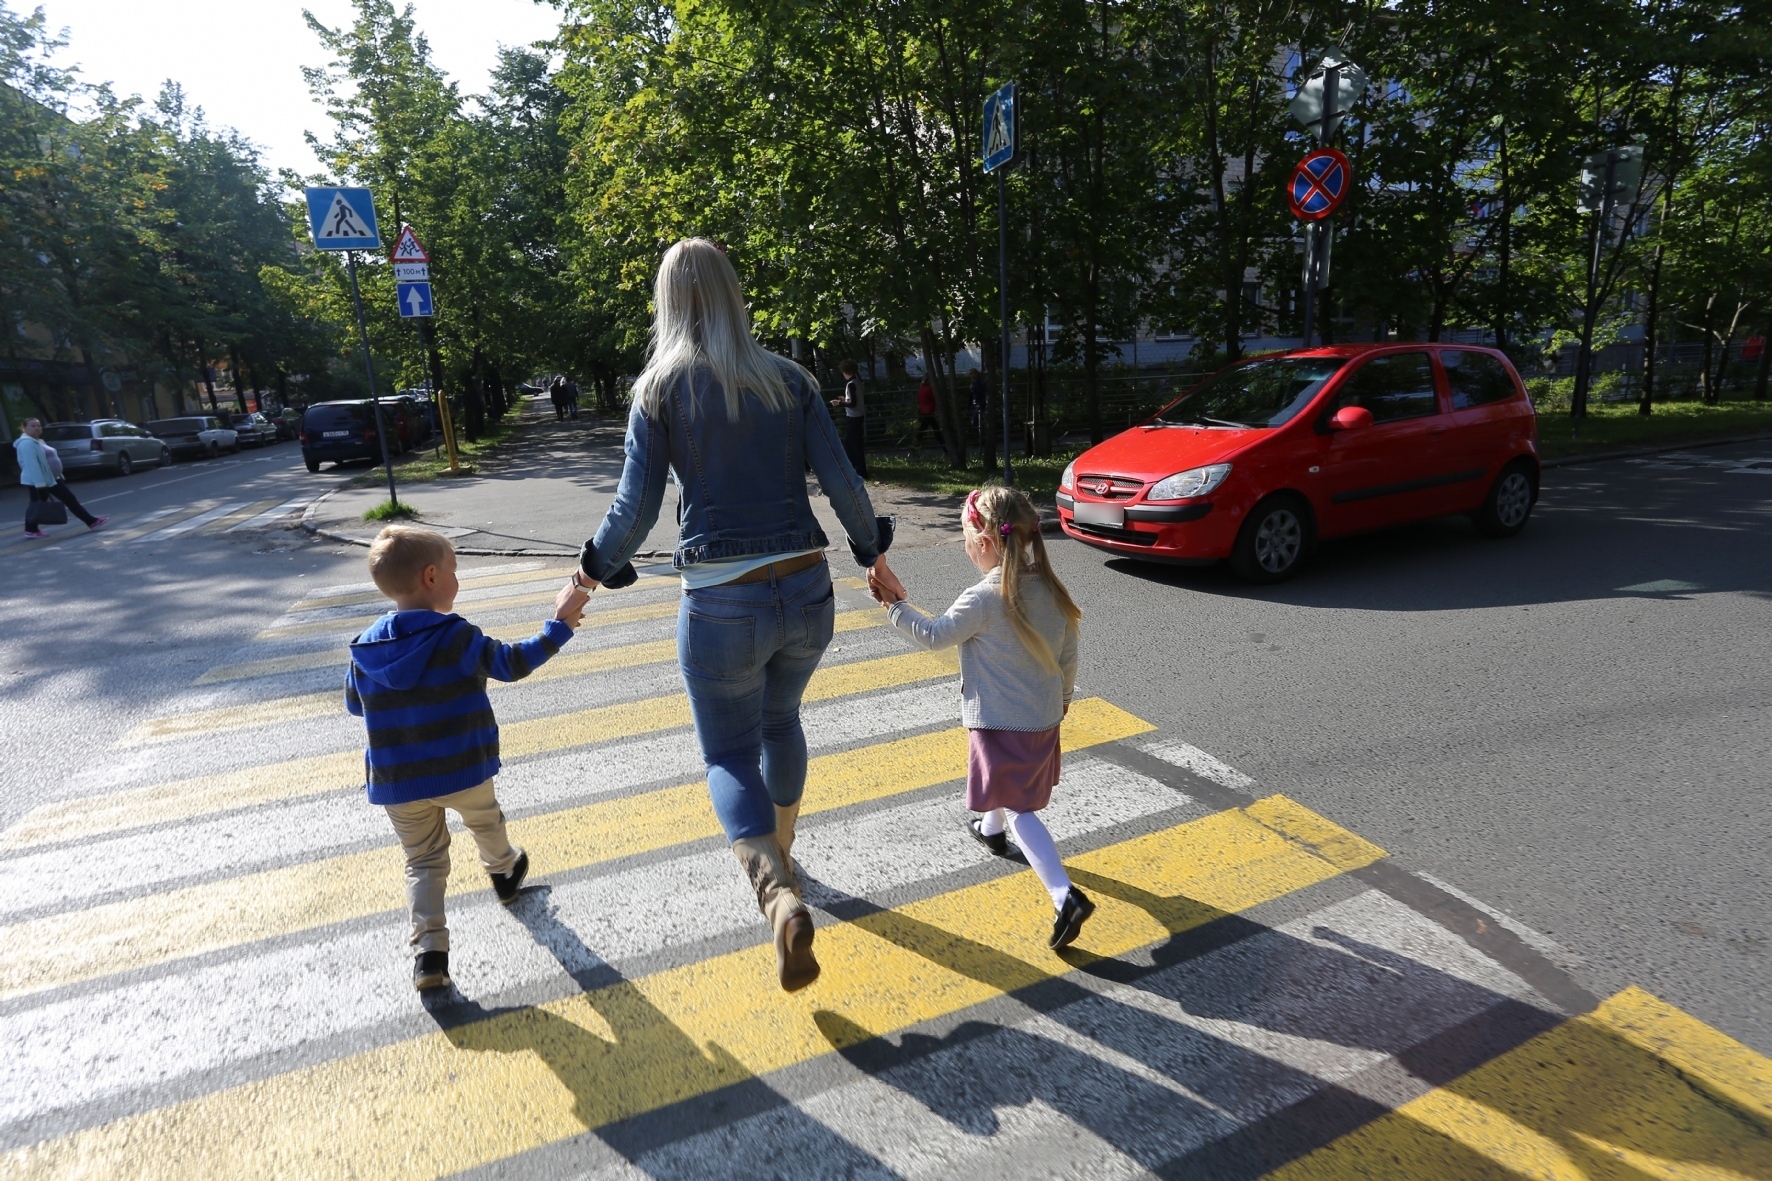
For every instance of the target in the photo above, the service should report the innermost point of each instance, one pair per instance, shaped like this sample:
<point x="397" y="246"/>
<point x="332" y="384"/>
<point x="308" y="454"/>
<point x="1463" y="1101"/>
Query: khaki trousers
<point x="423" y="829"/>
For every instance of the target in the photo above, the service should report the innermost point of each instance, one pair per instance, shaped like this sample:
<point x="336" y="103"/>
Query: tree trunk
<point x="947" y="414"/>
<point x="208" y="378"/>
<point x="238" y="376"/>
<point x="1092" y="381"/>
<point x="1761" y="371"/>
<point x="1504" y="250"/>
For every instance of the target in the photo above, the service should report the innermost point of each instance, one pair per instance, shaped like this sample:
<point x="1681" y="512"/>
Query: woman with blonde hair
<point x="739" y="425"/>
<point x="1017" y="634"/>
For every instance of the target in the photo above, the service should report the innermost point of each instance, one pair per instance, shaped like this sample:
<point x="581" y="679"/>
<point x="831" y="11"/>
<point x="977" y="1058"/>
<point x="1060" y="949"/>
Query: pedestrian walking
<point x="418" y="680"/>
<point x="557" y="395"/>
<point x="855" y="420"/>
<point x="40" y="471"/>
<point x="926" y="412"/>
<point x="572" y="399"/>
<point x="738" y="425"/>
<point x="1017" y="634"/>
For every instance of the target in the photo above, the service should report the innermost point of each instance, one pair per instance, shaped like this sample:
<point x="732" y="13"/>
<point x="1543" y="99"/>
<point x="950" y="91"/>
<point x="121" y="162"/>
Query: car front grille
<point x="1105" y="487"/>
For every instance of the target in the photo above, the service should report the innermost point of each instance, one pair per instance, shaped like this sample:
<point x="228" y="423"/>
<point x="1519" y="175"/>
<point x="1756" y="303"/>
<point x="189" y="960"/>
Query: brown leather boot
<point x="784" y="836"/>
<point x="778" y="898"/>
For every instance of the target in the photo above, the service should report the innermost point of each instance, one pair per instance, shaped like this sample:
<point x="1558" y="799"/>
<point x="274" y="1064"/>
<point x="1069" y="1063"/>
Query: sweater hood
<point x="396" y="649"/>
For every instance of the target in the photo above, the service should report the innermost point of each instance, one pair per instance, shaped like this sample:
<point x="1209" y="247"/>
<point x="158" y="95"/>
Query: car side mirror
<point x="1350" y="418"/>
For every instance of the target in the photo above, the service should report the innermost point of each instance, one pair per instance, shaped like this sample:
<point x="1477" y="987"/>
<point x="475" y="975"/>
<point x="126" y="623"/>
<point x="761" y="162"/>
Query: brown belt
<point x="779" y="569"/>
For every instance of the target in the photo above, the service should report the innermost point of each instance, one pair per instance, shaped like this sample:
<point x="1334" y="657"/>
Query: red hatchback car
<point x="1263" y="458"/>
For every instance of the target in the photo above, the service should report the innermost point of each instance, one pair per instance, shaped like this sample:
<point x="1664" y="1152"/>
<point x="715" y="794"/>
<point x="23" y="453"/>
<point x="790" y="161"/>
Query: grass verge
<point x="1616" y="426"/>
<point x="421" y="467"/>
<point x="929" y="472"/>
<point x="390" y="510"/>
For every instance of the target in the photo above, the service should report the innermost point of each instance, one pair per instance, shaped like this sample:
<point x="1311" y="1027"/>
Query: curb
<point x="307" y="523"/>
<point x="1632" y="453"/>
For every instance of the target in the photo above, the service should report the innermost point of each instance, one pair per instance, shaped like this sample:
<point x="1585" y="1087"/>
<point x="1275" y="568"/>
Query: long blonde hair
<point x="699" y="321"/>
<point x="1007" y="516"/>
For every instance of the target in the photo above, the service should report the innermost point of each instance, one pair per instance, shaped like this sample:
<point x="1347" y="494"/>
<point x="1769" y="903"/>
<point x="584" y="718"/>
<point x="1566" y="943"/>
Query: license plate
<point x="1090" y="513"/>
<point x="336" y="435"/>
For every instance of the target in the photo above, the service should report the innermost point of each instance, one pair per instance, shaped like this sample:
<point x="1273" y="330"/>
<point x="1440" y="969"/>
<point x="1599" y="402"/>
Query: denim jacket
<point x="742" y="486"/>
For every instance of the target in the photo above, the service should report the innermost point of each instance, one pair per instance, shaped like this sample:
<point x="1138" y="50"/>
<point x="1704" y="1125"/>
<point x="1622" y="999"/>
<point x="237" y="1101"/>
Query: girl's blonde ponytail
<point x="1008" y="517"/>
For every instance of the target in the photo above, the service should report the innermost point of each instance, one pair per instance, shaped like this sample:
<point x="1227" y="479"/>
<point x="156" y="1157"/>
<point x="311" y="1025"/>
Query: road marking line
<point x="148" y="523"/>
<point x="115" y="937"/>
<point x="356" y="623"/>
<point x="418" y="1107"/>
<point x="567" y="663"/>
<point x="371" y="595"/>
<point x="1636" y="1088"/>
<point x="467" y="573"/>
<point x="272" y="515"/>
<point x="196" y="522"/>
<point x="227" y="523"/>
<point x="835" y="680"/>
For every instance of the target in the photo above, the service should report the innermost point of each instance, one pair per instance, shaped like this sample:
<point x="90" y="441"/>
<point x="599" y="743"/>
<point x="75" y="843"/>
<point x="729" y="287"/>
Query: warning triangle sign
<point x="407" y="249"/>
<point x="341" y="221"/>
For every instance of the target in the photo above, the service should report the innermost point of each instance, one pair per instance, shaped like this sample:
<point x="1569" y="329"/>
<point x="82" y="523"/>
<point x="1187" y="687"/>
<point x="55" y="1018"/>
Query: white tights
<point x="1036" y="844"/>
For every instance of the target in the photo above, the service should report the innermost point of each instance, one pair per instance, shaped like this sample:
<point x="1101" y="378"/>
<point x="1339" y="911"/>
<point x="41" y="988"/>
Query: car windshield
<point x="176" y="426"/>
<point x="1265" y="393"/>
<point x="336" y="417"/>
<point x="61" y="434"/>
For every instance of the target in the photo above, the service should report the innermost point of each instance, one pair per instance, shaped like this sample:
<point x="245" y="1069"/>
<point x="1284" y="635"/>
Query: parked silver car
<point x="197" y="435"/>
<point x="107" y="445"/>
<point x="255" y="430"/>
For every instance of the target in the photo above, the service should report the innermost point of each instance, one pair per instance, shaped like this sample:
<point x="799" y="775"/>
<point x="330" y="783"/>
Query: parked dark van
<point x="338" y="431"/>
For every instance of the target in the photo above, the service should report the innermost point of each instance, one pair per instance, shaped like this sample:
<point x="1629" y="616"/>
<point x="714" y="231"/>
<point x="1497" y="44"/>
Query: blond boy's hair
<point x="399" y="555"/>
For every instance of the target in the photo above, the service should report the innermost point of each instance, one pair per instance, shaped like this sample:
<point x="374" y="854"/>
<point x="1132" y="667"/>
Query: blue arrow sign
<point x="342" y="219"/>
<point x="1000" y="132"/>
<point x="414" y="299"/>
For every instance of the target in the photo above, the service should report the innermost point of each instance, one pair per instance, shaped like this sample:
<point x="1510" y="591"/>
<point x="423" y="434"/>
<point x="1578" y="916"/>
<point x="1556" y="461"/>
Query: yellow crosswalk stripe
<point x="185" y="798"/>
<point x="60" y="949"/>
<point x="468" y="582"/>
<point x="420" y="1108"/>
<point x="516" y="631"/>
<point x="154" y="521"/>
<point x="576" y="662"/>
<point x="917" y="666"/>
<point x="1635" y="1089"/>
<point x="222" y="524"/>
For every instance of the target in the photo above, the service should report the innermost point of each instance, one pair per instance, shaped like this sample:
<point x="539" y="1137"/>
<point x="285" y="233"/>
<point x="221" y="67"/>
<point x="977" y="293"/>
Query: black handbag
<point x="46" y="512"/>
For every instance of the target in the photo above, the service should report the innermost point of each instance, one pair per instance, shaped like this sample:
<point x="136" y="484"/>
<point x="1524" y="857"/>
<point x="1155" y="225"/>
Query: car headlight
<point x="1066" y="481"/>
<point x="1193" y="482"/>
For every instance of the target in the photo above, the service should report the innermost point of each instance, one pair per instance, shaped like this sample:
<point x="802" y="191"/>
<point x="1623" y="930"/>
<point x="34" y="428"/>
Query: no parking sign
<point x="1319" y="184"/>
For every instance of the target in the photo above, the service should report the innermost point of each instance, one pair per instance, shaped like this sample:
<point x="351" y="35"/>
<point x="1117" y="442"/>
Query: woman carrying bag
<point x="40" y="470"/>
<point x="739" y="426"/>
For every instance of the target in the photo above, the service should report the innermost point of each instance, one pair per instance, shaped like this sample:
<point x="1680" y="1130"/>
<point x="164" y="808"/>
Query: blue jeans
<point x="747" y="652"/>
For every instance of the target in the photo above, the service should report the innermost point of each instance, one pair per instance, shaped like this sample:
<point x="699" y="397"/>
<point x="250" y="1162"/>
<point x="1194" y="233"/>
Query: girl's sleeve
<point x="965" y="619"/>
<point x="1067" y="659"/>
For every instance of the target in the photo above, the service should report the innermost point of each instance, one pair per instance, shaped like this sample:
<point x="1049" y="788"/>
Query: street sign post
<point x="1608" y="178"/>
<point x="344" y="219"/>
<point x="1002" y="136"/>
<point x="412" y="296"/>
<point x="1321" y="181"/>
<point x="1308" y="106"/>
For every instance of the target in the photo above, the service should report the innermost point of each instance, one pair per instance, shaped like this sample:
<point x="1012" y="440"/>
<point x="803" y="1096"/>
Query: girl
<point x="1017" y="632"/>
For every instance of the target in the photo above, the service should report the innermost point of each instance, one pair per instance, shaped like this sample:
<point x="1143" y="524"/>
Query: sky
<point x="240" y="60"/>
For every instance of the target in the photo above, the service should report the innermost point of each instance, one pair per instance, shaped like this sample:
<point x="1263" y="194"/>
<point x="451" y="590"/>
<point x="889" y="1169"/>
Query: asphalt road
<point x="1559" y="741"/>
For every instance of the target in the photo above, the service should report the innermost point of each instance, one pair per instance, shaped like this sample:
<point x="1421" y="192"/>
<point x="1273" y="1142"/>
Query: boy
<point x="418" y="680"/>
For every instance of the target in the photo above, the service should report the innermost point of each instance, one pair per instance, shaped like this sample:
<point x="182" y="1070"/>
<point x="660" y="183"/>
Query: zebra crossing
<point x="200" y="518"/>
<point x="203" y="969"/>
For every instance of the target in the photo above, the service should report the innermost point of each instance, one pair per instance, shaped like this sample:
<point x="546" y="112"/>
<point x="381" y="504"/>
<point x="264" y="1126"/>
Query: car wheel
<point x="124" y="466"/>
<point x="1508" y="506"/>
<point x="165" y="457"/>
<point x="313" y="465"/>
<point x="214" y="451"/>
<point x="1274" y="541"/>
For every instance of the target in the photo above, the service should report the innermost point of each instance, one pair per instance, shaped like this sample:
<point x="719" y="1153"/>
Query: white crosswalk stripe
<point x="196" y="522"/>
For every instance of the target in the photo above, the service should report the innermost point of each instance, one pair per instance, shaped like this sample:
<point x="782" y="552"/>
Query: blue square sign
<point x="1000" y="131"/>
<point x="414" y="299"/>
<point x="342" y="219"/>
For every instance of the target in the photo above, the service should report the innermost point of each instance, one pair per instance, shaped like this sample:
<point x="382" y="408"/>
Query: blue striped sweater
<point x="418" y="681"/>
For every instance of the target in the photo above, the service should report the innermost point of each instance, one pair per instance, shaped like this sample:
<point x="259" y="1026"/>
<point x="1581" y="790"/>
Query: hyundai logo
<point x="1104" y="487"/>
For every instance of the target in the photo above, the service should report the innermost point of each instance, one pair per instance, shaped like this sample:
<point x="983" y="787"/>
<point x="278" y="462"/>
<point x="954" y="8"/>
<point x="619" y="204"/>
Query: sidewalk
<point x="545" y="490"/>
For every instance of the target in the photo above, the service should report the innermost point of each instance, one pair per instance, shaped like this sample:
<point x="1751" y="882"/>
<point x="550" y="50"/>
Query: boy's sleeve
<point x="513" y="662"/>
<point x="353" y="700"/>
<point x="965" y="619"/>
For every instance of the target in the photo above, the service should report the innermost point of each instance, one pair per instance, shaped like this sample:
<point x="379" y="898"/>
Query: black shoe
<point x="996" y="842"/>
<point x="430" y="970"/>
<point x="506" y="885"/>
<point x="1071" y="916"/>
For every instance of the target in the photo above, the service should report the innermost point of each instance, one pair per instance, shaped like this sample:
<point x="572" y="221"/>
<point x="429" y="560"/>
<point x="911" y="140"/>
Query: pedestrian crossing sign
<point x="342" y="219"/>
<point x="1000" y="130"/>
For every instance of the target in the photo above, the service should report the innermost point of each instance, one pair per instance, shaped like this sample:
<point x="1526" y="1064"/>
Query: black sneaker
<point x="506" y="885"/>
<point x="430" y="970"/>
<point x="1071" y="916"/>
<point x="996" y="842"/>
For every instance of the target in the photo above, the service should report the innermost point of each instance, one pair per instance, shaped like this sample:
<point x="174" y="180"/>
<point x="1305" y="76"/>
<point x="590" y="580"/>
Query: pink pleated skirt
<point x="1014" y="769"/>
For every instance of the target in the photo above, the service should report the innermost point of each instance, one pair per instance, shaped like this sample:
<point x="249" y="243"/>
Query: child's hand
<point x="569" y="605"/>
<point x="883" y="584"/>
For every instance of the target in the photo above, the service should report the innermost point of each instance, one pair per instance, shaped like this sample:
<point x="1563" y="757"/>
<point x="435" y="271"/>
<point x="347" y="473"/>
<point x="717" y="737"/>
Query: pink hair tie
<point x="970" y="512"/>
<point x="1006" y="530"/>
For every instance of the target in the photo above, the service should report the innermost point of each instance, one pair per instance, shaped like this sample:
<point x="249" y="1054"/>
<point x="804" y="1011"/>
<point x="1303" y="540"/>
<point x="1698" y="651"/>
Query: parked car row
<point x="340" y="431"/>
<point x="114" y="447"/>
